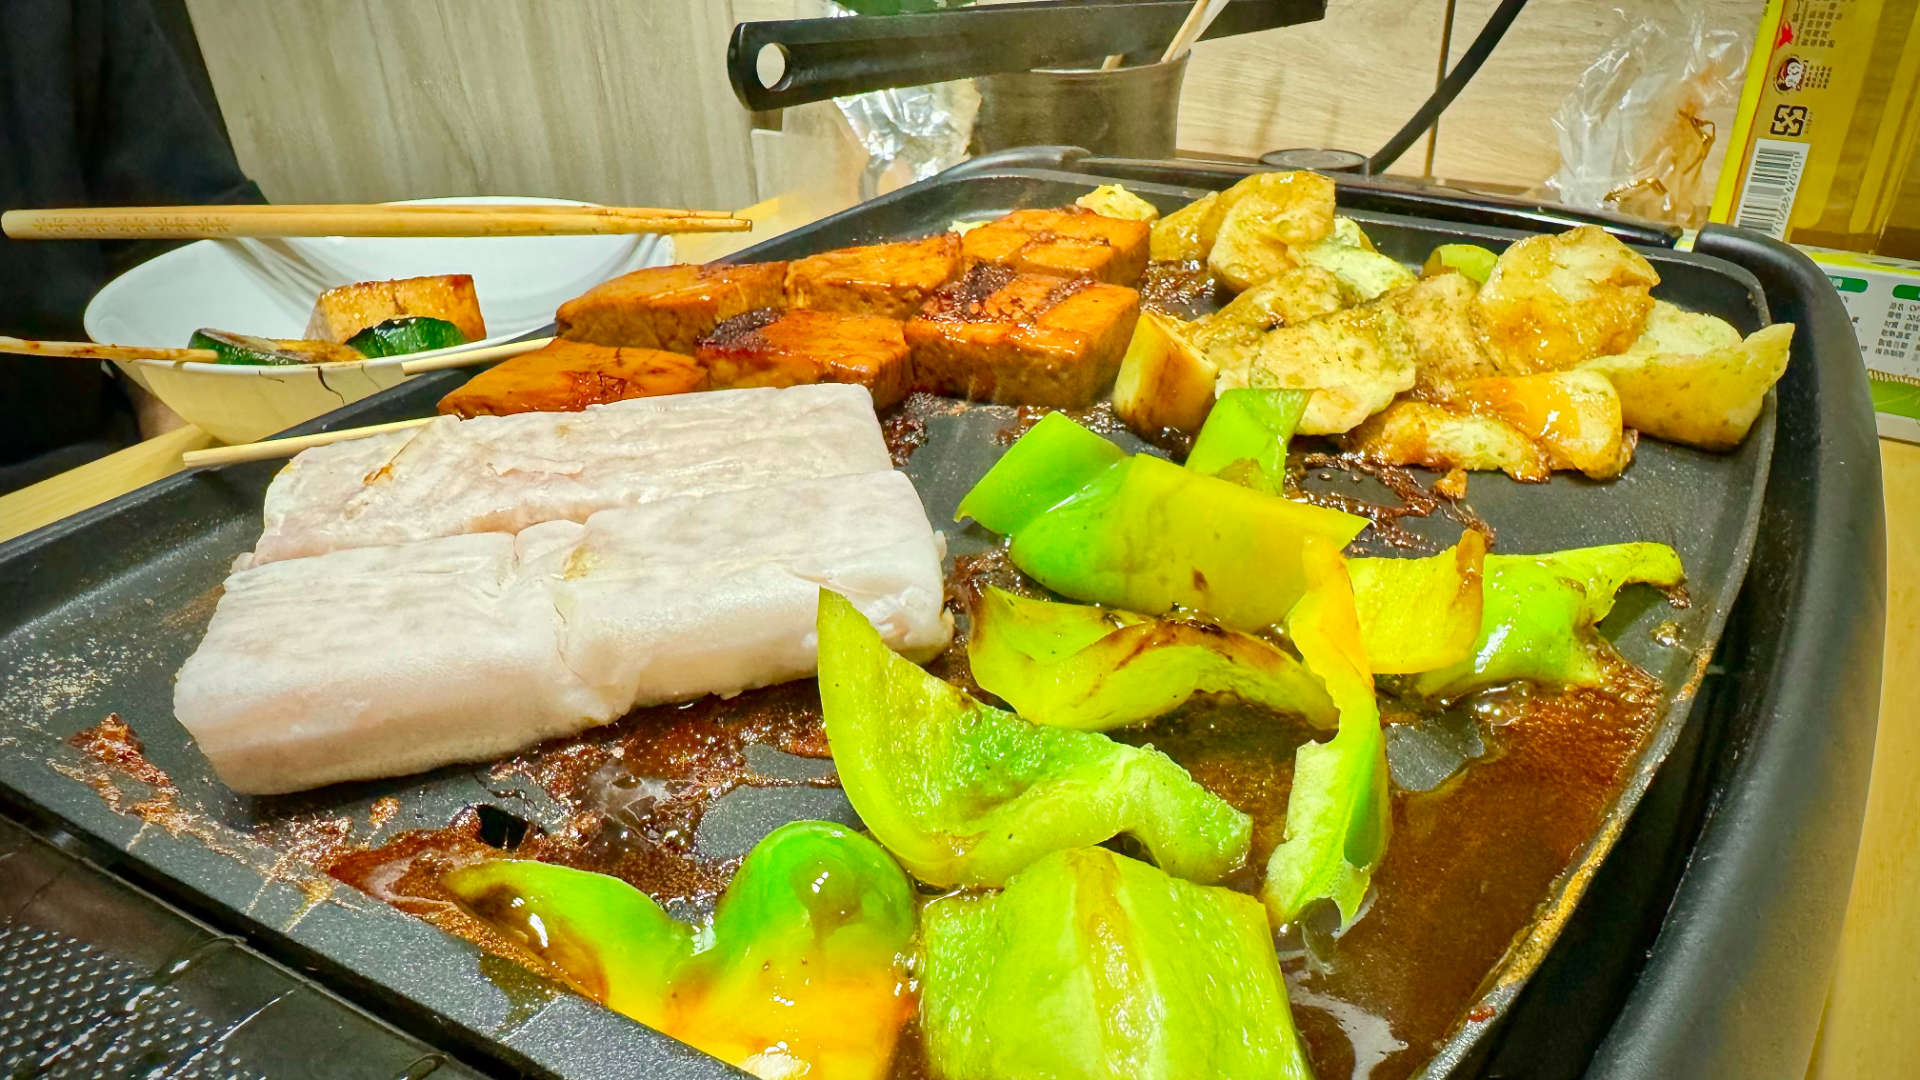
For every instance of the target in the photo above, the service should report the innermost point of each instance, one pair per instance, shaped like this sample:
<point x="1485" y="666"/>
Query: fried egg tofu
<point x="1022" y="339"/>
<point x="567" y="376"/>
<point x="790" y="348"/>
<point x="670" y="307"/>
<point x="345" y="310"/>
<point x="1068" y="242"/>
<point x="1555" y="300"/>
<point x="890" y="280"/>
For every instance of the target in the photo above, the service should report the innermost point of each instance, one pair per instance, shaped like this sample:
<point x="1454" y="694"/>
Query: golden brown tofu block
<point x="890" y="280"/>
<point x="345" y="310"/>
<point x="1412" y="432"/>
<point x="670" y="307"/>
<point x="776" y="348"/>
<point x="1022" y="339"/>
<point x="1069" y="242"/>
<point x="567" y="376"/>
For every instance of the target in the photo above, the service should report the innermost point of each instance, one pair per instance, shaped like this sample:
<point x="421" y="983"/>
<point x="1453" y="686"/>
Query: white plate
<point x="267" y="287"/>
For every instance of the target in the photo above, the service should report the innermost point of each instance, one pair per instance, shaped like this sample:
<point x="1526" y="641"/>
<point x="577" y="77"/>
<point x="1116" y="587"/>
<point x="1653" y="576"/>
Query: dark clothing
<point x="97" y="108"/>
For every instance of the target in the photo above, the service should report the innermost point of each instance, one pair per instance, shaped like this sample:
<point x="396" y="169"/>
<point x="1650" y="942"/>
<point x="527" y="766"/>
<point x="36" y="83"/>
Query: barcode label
<point x="1766" y="202"/>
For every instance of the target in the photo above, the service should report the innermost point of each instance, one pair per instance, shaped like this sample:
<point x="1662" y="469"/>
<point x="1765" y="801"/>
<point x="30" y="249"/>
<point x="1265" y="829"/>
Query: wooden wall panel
<point x="1347" y="82"/>
<point x="358" y="100"/>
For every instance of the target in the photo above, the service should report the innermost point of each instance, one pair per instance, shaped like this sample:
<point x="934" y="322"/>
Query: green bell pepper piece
<point x="803" y="968"/>
<point x="1245" y="437"/>
<point x="965" y="794"/>
<point x="1338" y="816"/>
<point x="1055" y="458"/>
<point x="607" y="939"/>
<point x="409" y="334"/>
<point x="1537" y="623"/>
<point x="1470" y="259"/>
<point x="1420" y="614"/>
<point x="1092" y="966"/>
<point x="1067" y="665"/>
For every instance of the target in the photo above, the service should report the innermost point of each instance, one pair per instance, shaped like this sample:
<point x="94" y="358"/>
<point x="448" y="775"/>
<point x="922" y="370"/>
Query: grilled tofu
<point x="1069" y="242"/>
<point x="346" y="310"/>
<point x="1412" y="432"/>
<point x="890" y="280"/>
<point x="1022" y="339"/>
<point x="568" y="376"/>
<point x="670" y="307"/>
<point x="774" y="348"/>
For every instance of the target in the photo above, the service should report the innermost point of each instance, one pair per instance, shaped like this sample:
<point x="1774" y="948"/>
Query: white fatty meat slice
<point x="505" y="473"/>
<point x="384" y="661"/>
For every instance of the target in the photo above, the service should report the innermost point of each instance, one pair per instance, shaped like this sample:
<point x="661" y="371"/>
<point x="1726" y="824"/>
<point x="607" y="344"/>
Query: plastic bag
<point x="909" y="132"/>
<point x="1636" y="132"/>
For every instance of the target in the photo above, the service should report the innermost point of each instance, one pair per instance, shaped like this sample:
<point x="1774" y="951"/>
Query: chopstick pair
<point x="87" y="350"/>
<point x="440" y="219"/>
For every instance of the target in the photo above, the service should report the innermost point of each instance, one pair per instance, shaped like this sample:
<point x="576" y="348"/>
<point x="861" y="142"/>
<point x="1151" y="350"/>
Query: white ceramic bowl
<point x="267" y="287"/>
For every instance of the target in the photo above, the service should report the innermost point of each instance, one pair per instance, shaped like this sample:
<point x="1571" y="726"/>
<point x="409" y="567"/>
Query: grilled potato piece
<point x="1069" y="242"/>
<point x="1554" y="301"/>
<point x="1022" y="339"/>
<point x="1447" y="344"/>
<point x="1231" y="336"/>
<point x="792" y="348"/>
<point x="889" y="280"/>
<point x="1410" y="432"/>
<point x="1357" y="360"/>
<point x="567" y="376"/>
<point x="1116" y="201"/>
<point x="1177" y="237"/>
<point x="1263" y="220"/>
<point x="1165" y="381"/>
<point x="1363" y="275"/>
<point x="345" y="310"/>
<point x="670" y="307"/>
<point x="1709" y="397"/>
<point x="1574" y="415"/>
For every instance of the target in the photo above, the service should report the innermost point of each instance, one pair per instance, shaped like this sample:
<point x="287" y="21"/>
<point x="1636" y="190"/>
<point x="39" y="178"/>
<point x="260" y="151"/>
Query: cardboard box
<point x="1883" y="297"/>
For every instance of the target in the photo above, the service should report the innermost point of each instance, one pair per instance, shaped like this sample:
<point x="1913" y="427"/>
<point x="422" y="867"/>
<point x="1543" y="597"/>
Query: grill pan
<point x="98" y="611"/>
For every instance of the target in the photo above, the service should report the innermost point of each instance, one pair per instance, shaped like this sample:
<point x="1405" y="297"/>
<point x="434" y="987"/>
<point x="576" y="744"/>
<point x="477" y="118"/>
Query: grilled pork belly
<point x="792" y="348"/>
<point x="881" y="279"/>
<point x="1022" y="339"/>
<point x="670" y="307"/>
<point x="567" y="376"/>
<point x="1070" y="242"/>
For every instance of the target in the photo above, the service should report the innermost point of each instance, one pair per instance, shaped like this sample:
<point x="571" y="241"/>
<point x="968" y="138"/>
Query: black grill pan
<point x="98" y="611"/>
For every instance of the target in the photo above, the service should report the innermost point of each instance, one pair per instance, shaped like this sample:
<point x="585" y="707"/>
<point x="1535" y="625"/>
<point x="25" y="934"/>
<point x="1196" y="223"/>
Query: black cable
<point x="1449" y="87"/>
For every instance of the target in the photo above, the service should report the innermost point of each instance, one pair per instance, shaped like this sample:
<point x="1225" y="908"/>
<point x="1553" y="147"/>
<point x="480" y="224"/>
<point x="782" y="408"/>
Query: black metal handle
<point x="833" y="57"/>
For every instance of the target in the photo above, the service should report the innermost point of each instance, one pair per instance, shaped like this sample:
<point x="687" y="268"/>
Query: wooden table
<point x="1872" y="1022"/>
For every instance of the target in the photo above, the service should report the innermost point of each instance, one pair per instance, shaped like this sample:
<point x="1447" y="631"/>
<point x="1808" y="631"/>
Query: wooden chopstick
<point x="201" y="222"/>
<point x="429" y="209"/>
<point x="269" y="449"/>
<point x="470" y="357"/>
<point x="87" y="350"/>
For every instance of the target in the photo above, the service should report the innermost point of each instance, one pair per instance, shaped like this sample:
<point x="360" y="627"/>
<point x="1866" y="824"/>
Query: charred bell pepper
<point x="1095" y="669"/>
<point x="1147" y="535"/>
<point x="965" y="794"/>
<point x="1337" y="812"/>
<point x="1539" y="613"/>
<point x="1420" y="614"/>
<point x="802" y="970"/>
<point x="1092" y="966"/>
<point x="1245" y="437"/>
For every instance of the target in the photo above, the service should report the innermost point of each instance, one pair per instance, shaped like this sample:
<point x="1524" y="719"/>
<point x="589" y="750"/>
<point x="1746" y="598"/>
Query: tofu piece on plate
<point x="1022" y="339"/>
<point x="345" y="310"/>
<point x="892" y="280"/>
<point x="567" y="376"/>
<point x="1354" y="361"/>
<point x="504" y="473"/>
<point x="799" y="346"/>
<point x="465" y="648"/>
<point x="1448" y="349"/>
<point x="670" y="307"/>
<point x="1412" y="432"/>
<point x="1068" y="242"/>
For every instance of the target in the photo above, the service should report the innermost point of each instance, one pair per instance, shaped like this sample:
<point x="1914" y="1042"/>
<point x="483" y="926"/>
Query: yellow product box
<point x="1827" y="123"/>
<point x="1883" y="297"/>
